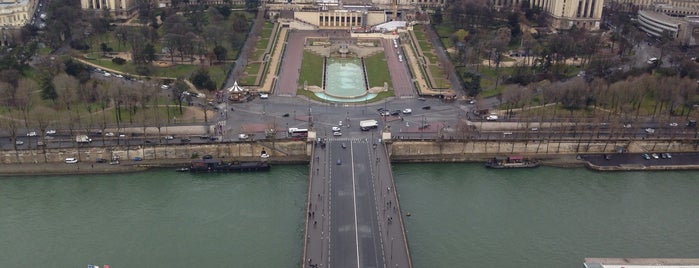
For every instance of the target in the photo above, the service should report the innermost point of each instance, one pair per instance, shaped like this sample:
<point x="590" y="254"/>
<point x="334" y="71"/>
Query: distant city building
<point x="683" y="29"/>
<point x="639" y="263"/>
<point x="384" y="3"/>
<point x="670" y="7"/>
<point x="564" y="13"/>
<point x="120" y="9"/>
<point x="16" y="13"/>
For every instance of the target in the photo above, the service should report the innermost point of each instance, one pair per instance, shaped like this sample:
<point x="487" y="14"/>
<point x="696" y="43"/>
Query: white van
<point x="71" y="160"/>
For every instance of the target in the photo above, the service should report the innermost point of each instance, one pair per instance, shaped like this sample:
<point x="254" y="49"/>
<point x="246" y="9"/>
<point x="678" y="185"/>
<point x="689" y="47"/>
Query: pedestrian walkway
<point x="274" y="62"/>
<point x="353" y="217"/>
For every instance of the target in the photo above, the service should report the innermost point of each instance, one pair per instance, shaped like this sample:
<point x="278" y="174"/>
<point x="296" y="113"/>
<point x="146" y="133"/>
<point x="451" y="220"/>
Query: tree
<point x="252" y="4"/>
<point x="201" y="79"/>
<point x="48" y="91"/>
<point x="220" y="53"/>
<point x="148" y="53"/>
<point x="472" y="83"/>
<point x="437" y="16"/>
<point x="513" y="24"/>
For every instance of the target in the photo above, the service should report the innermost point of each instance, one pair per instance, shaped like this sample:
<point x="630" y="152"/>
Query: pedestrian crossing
<point x="354" y="140"/>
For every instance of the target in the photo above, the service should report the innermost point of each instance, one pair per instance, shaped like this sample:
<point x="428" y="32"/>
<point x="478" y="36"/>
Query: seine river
<point x="462" y="215"/>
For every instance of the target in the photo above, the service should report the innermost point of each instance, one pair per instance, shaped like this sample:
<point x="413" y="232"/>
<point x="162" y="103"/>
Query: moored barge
<point x="213" y="165"/>
<point x="511" y="162"/>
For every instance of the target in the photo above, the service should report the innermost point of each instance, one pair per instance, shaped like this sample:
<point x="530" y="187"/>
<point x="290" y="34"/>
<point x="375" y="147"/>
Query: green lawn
<point x="377" y="70"/>
<point x="251" y="71"/>
<point x="438" y="75"/>
<point x="311" y="69"/>
<point x="444" y="29"/>
<point x="216" y="72"/>
<point x="267" y="29"/>
<point x="257" y="56"/>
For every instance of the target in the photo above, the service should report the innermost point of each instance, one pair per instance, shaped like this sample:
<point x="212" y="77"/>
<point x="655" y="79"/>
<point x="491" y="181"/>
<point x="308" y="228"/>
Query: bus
<point x="298" y="132"/>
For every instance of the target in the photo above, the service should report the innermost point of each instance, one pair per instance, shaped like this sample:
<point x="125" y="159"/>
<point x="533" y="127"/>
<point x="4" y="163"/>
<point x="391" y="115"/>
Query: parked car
<point x="71" y="160"/>
<point x="101" y="160"/>
<point x="337" y="133"/>
<point x="50" y="131"/>
<point x="137" y="158"/>
<point x="264" y="96"/>
<point x="243" y="136"/>
<point x="31" y="134"/>
<point x="645" y="156"/>
<point x="19" y="142"/>
<point x="407" y="111"/>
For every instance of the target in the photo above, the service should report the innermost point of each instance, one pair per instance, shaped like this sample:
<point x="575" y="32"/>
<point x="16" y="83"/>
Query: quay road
<point x="353" y="214"/>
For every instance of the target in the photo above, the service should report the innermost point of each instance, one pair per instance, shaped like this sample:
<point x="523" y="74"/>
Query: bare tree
<point x="66" y="89"/>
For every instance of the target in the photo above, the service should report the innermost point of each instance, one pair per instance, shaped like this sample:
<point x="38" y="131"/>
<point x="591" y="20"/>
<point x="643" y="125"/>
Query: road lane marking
<point x="354" y="200"/>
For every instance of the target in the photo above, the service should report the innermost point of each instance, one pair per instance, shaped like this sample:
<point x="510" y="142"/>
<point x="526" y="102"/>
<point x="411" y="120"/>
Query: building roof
<point x="658" y="16"/>
<point x="390" y="26"/>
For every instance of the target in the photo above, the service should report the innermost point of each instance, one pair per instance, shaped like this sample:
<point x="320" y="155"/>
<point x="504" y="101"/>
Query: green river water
<point x="462" y="215"/>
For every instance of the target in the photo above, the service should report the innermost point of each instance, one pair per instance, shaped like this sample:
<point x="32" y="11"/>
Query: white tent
<point x="236" y="88"/>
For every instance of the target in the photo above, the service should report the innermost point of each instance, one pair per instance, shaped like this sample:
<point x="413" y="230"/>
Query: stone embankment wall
<point x="299" y="152"/>
<point x="476" y="151"/>
<point x="289" y="152"/>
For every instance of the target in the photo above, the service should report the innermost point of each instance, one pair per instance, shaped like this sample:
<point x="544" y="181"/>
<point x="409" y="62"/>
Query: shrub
<point x="143" y="70"/>
<point x="118" y="61"/>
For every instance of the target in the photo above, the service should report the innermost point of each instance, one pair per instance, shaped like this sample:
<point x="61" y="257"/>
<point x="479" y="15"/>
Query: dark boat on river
<point x="214" y="165"/>
<point x="511" y="162"/>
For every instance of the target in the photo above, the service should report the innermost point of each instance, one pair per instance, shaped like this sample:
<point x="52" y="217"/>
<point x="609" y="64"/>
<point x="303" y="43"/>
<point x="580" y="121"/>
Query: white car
<point x="650" y="130"/>
<point x="337" y="133"/>
<point x="31" y="134"/>
<point x="243" y="136"/>
<point x="336" y="129"/>
<point x="109" y="134"/>
<point x="169" y="137"/>
<point x="164" y="87"/>
<point x="264" y="95"/>
<point x="71" y="160"/>
<point x="107" y="74"/>
<point x="407" y="111"/>
<point x="19" y="142"/>
<point x="50" y="132"/>
<point x="118" y="76"/>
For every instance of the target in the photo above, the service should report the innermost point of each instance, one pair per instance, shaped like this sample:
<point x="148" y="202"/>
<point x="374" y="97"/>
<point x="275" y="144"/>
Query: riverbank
<point x="559" y="154"/>
<point x="127" y="166"/>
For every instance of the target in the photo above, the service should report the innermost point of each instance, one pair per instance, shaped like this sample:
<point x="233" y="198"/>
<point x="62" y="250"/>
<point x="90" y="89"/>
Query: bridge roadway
<point x="353" y="215"/>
